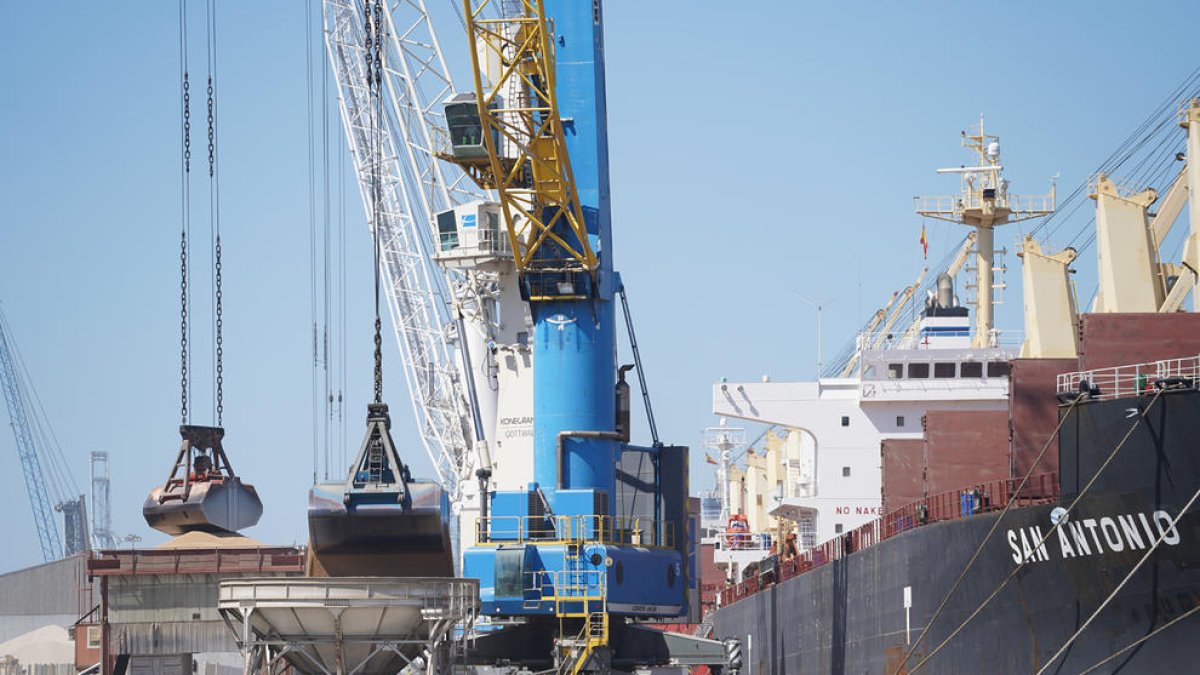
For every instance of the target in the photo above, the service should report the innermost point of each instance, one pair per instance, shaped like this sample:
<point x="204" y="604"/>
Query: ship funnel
<point x="945" y="291"/>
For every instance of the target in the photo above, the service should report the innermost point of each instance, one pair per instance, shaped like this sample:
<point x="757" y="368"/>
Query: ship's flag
<point x="708" y="458"/>
<point x="924" y="242"/>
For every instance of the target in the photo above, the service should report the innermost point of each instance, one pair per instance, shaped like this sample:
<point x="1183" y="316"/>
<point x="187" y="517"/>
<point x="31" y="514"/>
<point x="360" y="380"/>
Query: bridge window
<point x="943" y="370"/>
<point x="998" y="368"/>
<point x="895" y="371"/>
<point x="899" y="421"/>
<point x="918" y="371"/>
<point x="971" y="369"/>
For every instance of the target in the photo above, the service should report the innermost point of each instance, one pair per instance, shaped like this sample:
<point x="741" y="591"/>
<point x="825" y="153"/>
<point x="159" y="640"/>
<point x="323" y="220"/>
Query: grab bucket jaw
<point x="202" y="492"/>
<point x="379" y="521"/>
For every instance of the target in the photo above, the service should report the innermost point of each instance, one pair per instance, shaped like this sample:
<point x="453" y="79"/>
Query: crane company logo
<point x="560" y="321"/>
<point x="1092" y="536"/>
<point x="516" y="427"/>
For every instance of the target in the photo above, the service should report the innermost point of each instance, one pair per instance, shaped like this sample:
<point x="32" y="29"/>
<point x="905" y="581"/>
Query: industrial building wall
<point x="163" y="598"/>
<point x="172" y="637"/>
<point x="41" y="595"/>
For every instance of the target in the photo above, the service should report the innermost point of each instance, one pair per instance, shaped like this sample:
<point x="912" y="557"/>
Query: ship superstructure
<point x="917" y="354"/>
<point x="1045" y="495"/>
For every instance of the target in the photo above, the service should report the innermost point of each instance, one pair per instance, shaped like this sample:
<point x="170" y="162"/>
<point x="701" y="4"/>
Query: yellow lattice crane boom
<point x="509" y="138"/>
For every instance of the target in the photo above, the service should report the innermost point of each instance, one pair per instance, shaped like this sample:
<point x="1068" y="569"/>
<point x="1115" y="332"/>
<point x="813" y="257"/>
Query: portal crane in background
<point x="41" y="458"/>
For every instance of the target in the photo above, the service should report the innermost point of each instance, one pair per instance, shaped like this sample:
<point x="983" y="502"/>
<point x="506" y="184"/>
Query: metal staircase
<point x="580" y="598"/>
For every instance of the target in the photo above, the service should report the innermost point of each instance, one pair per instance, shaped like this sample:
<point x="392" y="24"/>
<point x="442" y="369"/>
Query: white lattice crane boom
<point x="415" y="187"/>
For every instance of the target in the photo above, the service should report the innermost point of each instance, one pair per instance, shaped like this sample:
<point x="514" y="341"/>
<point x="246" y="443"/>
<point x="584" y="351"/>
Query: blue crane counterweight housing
<point x="578" y="541"/>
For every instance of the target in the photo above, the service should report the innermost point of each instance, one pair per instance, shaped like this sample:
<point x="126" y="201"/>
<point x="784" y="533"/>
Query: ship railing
<point x="955" y="205"/>
<point x="743" y="541"/>
<point x="961" y="503"/>
<point x="899" y="339"/>
<point x="1129" y="380"/>
<point x="553" y="530"/>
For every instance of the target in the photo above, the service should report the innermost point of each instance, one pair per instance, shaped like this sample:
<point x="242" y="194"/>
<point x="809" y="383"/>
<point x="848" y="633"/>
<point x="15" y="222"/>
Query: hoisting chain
<point x="220" y="365"/>
<point x="373" y="21"/>
<point x="215" y="215"/>
<point x="211" y="145"/>
<point x="183" y="249"/>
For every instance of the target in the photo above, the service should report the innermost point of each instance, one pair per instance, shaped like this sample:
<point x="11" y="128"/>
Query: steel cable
<point x="979" y="549"/>
<point x="1141" y="640"/>
<point x="1039" y="544"/>
<point x="1146" y="556"/>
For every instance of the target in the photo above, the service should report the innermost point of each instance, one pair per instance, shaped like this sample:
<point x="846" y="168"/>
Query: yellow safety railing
<point x="560" y="530"/>
<point x="575" y="593"/>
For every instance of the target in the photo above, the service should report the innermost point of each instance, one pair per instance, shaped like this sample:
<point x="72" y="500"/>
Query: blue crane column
<point x="577" y="446"/>
<point x="574" y="340"/>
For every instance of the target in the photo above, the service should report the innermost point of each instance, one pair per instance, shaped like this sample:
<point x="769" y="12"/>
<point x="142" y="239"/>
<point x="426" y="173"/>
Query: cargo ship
<point x="943" y="500"/>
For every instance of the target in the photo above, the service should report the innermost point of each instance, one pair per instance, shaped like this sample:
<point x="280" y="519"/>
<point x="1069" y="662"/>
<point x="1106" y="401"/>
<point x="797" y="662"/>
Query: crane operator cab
<point x="202" y="492"/>
<point x="379" y="521"/>
<point x="466" y="129"/>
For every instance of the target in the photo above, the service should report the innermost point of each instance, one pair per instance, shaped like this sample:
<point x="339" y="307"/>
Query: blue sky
<point x="758" y="150"/>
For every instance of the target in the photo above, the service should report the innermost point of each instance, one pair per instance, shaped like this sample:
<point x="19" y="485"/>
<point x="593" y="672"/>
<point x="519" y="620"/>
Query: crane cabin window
<point x="466" y="130"/>
<point x="447" y="225"/>
<point x="509" y="570"/>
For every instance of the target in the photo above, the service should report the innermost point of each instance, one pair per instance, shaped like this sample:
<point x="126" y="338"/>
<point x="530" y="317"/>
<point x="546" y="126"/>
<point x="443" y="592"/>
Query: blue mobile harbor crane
<point x="591" y="538"/>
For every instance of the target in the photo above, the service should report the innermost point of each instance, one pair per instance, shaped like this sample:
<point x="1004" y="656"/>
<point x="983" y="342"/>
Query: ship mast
<point x="724" y="439"/>
<point x="984" y="204"/>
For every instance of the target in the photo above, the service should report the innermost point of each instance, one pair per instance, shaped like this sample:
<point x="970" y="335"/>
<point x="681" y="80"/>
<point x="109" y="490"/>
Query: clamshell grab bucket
<point x="379" y="522"/>
<point x="202" y="492"/>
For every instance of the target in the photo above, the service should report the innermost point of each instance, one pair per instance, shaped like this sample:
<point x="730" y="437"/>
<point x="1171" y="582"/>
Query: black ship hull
<point x="850" y="615"/>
